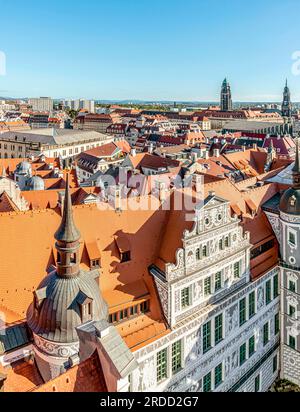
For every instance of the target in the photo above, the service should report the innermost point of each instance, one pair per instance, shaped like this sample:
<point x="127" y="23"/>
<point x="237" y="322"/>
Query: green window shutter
<point x="218" y="328"/>
<point x="242" y="310"/>
<point x="207" y="383"/>
<point x="176" y="356"/>
<point x="251" y="304"/>
<point x="276" y="321"/>
<point x="218" y="375"/>
<point x="251" y="346"/>
<point x="268" y="292"/>
<point x="206" y="336"/>
<point x="162" y="365"/>
<point x="275" y="286"/>
<point x="242" y="353"/>
<point x="266" y="334"/>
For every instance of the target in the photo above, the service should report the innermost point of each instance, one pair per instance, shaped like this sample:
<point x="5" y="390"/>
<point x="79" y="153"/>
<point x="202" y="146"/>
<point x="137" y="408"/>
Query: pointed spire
<point x="67" y="231"/>
<point x="286" y="83"/>
<point x="296" y="168"/>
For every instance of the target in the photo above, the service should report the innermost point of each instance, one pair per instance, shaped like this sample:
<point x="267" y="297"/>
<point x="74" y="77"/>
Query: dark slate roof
<point x="59" y="313"/>
<point x="290" y="202"/>
<point x="272" y="205"/>
<point x="14" y="337"/>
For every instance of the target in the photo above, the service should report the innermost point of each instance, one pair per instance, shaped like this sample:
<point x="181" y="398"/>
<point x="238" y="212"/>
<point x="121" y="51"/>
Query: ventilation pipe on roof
<point x="205" y="154"/>
<point x="150" y="148"/>
<point x="216" y="153"/>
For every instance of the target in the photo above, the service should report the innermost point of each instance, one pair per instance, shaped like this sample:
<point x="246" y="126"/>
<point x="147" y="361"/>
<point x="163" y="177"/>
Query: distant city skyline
<point x="158" y="51"/>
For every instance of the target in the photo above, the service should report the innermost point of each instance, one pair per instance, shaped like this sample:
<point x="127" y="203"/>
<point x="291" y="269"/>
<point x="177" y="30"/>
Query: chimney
<point x="198" y="180"/>
<point x="161" y="187"/>
<point x="150" y="148"/>
<point x="205" y="154"/>
<point x="244" y="148"/>
<point x="254" y="146"/>
<point x="3" y="378"/>
<point x="133" y="152"/>
<point x="194" y="157"/>
<point x="216" y="152"/>
<point x="118" y="207"/>
<point x="61" y="200"/>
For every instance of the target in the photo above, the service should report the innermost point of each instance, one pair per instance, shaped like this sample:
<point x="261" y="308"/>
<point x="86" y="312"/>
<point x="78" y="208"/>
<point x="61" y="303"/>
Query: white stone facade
<point x="191" y="302"/>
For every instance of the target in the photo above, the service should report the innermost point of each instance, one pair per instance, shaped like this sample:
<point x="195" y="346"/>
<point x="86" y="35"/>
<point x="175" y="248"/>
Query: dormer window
<point x="293" y="201"/>
<point x="125" y="256"/>
<point x="86" y="307"/>
<point x="124" y="247"/>
<point x="94" y="255"/>
<point x="38" y="298"/>
<point x="95" y="263"/>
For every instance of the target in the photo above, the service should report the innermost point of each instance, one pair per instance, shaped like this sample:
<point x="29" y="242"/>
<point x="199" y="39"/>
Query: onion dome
<point x="24" y="168"/>
<point x="35" y="183"/>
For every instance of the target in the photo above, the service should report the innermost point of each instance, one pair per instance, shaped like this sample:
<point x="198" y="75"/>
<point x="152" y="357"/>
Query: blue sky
<point x="149" y="49"/>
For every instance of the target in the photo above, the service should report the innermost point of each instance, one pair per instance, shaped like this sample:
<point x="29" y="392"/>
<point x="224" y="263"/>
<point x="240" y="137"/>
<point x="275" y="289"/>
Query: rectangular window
<point x="276" y="322"/>
<point x="221" y="244"/>
<point x="176" y="356"/>
<point x="207" y="287"/>
<point x="275" y="287"/>
<point x="204" y="251"/>
<point x="218" y="281"/>
<point x="161" y="359"/>
<point x="251" y="304"/>
<point x="236" y="269"/>
<point x="218" y="328"/>
<point x="266" y="333"/>
<point x="242" y="305"/>
<point x="292" y="238"/>
<point x="144" y="306"/>
<point x="275" y="363"/>
<point x="206" y="336"/>
<point x="251" y="349"/>
<point x="185" y="298"/>
<point x="257" y="384"/>
<point x="292" y="311"/>
<point x="242" y="354"/>
<point x="268" y="292"/>
<point x="207" y="383"/>
<point x="198" y="254"/>
<point x="226" y="241"/>
<point x="292" y="342"/>
<point x="218" y="375"/>
<point x="292" y="286"/>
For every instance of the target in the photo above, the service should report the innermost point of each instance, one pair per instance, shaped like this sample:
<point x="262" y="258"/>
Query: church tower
<point x="286" y="108"/>
<point x="290" y="276"/>
<point x="226" y="100"/>
<point x="66" y="299"/>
